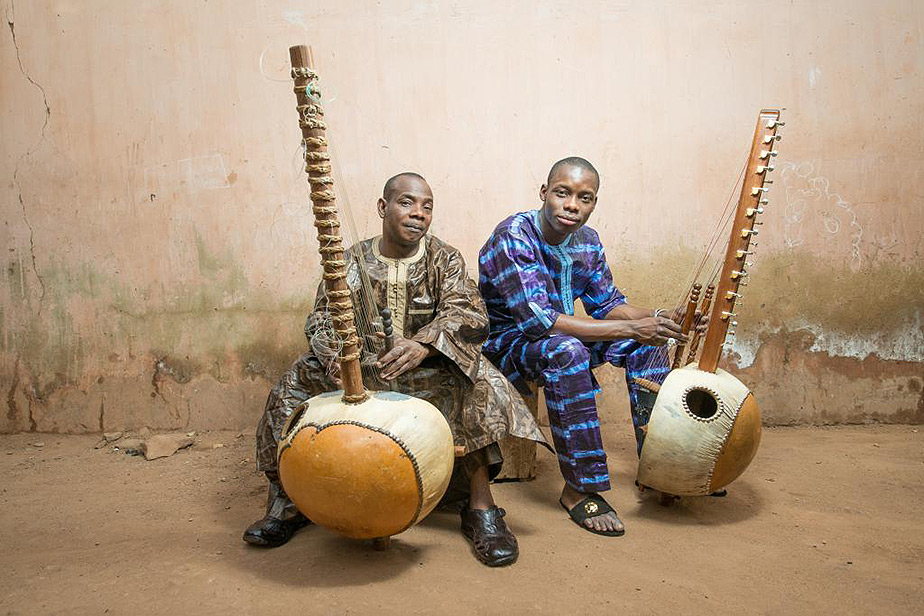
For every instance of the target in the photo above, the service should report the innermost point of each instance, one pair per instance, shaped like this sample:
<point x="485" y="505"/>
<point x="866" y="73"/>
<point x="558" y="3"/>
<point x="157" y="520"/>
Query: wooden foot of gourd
<point x="667" y="500"/>
<point x="381" y="544"/>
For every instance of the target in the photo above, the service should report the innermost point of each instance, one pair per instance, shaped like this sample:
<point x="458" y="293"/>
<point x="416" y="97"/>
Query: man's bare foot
<point x="605" y="523"/>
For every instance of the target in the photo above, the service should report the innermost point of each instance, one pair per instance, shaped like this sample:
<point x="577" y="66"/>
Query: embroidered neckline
<point x="564" y="279"/>
<point x="414" y="258"/>
<point x="396" y="289"/>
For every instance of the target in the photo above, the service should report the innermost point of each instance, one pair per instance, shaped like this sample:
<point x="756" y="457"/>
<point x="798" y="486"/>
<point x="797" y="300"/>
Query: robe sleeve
<point x="514" y="275"/>
<point x="601" y="295"/>
<point x="461" y="322"/>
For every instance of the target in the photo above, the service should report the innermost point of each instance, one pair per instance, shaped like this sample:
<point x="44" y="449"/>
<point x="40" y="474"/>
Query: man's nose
<point x="571" y="204"/>
<point x="417" y="211"/>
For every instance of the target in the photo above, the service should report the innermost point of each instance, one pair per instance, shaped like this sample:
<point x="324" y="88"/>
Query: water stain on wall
<point x="143" y="361"/>
<point x="69" y="368"/>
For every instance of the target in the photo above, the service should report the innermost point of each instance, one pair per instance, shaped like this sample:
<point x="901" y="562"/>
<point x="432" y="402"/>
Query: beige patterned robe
<point x="434" y="302"/>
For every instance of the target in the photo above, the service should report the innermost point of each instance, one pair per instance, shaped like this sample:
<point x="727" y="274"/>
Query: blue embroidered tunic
<point x="527" y="282"/>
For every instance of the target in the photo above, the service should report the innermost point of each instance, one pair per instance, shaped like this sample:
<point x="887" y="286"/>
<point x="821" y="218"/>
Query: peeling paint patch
<point x="795" y="385"/>
<point x="178" y="370"/>
<point x="905" y="343"/>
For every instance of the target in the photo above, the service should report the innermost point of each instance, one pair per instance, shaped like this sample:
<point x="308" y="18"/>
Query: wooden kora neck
<point x="734" y="268"/>
<point x="318" y="168"/>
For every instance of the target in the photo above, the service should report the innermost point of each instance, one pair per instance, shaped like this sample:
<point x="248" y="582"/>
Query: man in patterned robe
<point x="532" y="269"/>
<point x="440" y="323"/>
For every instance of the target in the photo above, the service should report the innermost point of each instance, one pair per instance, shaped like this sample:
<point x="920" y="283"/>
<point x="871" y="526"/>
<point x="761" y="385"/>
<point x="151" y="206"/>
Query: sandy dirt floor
<point x="824" y="521"/>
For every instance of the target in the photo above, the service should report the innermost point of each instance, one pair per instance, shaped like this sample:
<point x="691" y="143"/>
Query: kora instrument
<point x="364" y="464"/>
<point x="705" y="425"/>
<point x="366" y="470"/>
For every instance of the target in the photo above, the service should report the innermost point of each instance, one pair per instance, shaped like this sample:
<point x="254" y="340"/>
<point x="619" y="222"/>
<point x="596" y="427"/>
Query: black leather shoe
<point x="494" y="544"/>
<point x="272" y="532"/>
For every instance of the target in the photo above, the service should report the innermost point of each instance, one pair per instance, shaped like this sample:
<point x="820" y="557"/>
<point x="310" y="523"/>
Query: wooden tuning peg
<point x="387" y="329"/>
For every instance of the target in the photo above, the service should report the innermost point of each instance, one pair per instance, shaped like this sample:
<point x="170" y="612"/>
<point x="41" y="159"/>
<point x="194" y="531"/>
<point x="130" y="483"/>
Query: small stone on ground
<point x="164" y="445"/>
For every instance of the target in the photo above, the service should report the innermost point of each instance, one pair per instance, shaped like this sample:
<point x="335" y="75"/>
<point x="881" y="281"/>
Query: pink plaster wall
<point x="159" y="256"/>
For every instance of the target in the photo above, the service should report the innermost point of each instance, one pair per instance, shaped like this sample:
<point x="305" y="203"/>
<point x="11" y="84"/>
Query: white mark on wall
<point x="279" y="57"/>
<point x="187" y="174"/>
<point x="288" y="226"/>
<point x="813" y="75"/>
<point x="274" y="60"/>
<point x="806" y="192"/>
<point x="296" y="18"/>
<point x="832" y="225"/>
<point x="905" y="343"/>
<point x="282" y="65"/>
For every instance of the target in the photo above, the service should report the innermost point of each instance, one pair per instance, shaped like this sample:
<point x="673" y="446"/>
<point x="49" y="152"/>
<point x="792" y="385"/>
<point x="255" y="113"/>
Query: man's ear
<point x="381" y="207"/>
<point x="542" y="192"/>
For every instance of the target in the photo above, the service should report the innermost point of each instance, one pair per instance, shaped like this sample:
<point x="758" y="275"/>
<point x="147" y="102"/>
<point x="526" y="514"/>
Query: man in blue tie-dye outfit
<point x="532" y="269"/>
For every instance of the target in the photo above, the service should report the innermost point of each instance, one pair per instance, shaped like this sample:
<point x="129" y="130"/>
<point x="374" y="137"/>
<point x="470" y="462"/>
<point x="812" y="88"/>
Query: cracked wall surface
<point x="159" y="256"/>
<point x="11" y="22"/>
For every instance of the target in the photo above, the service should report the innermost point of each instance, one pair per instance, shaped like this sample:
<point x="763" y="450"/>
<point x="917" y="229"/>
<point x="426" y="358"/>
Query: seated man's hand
<point x="699" y="319"/>
<point x="334" y="373"/>
<point x="406" y="355"/>
<point x="700" y="322"/>
<point x="657" y="331"/>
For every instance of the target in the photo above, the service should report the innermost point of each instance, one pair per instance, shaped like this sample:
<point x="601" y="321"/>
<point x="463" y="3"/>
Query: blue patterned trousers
<point x="562" y="365"/>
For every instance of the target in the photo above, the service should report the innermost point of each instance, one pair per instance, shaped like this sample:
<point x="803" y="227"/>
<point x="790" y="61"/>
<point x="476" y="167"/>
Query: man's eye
<point x="561" y="193"/>
<point x="586" y="199"/>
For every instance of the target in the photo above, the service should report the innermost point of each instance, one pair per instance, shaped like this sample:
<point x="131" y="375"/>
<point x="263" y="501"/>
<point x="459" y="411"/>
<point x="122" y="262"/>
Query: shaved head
<point x="573" y="161"/>
<point x="391" y="185"/>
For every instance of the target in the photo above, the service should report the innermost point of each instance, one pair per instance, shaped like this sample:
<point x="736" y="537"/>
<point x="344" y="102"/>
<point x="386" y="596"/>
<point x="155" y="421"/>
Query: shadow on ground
<point x="318" y="557"/>
<point x="741" y="504"/>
